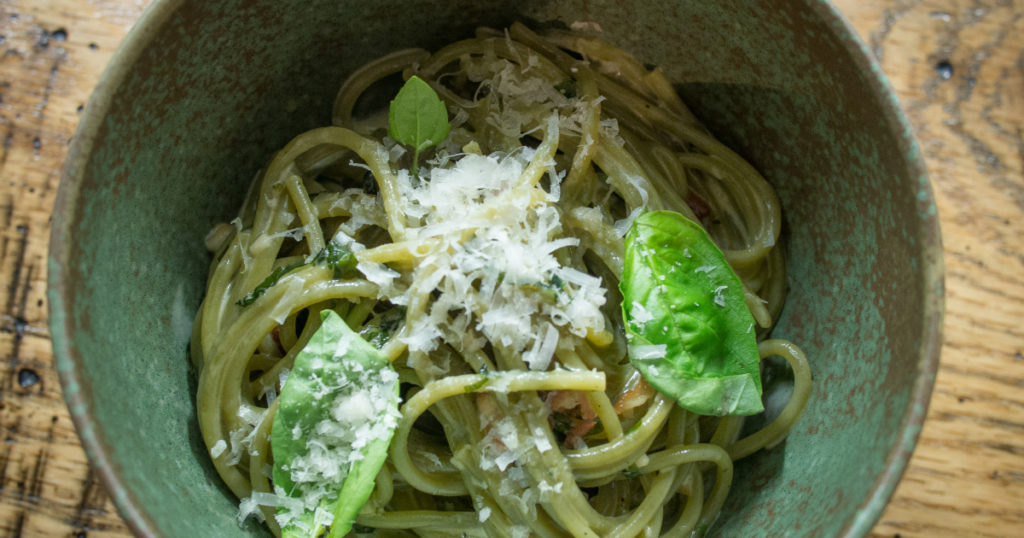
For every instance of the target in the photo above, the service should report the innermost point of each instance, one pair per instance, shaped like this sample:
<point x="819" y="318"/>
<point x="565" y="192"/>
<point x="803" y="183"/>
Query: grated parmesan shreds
<point x="639" y="314"/>
<point x="250" y="506"/>
<point x="719" y="297"/>
<point x="540" y="438"/>
<point x="648" y="351"/>
<point x="236" y="443"/>
<point x="520" y="531"/>
<point x="494" y="259"/>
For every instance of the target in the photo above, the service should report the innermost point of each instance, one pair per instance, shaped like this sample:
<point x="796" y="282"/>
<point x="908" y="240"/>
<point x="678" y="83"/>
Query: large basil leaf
<point x="689" y="331"/>
<point x="337" y="413"/>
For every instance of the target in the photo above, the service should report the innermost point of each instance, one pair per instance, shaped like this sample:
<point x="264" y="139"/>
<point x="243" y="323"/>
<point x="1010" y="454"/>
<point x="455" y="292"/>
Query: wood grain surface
<point x="958" y="67"/>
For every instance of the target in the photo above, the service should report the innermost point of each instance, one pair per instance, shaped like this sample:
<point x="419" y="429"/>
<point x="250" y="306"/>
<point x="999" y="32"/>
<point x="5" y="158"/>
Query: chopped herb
<point x="555" y="283"/>
<point x="567" y="88"/>
<point x="381" y="327"/>
<point x="336" y="257"/>
<point x="369" y="183"/>
<point x="631" y="473"/>
<point x="550" y="288"/>
<point x="561" y="423"/>
<point x="333" y="255"/>
<point x="476" y="386"/>
<point x="271" y="279"/>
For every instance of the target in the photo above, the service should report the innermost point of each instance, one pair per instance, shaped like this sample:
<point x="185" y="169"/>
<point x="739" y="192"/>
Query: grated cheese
<point x="434" y="460"/>
<point x="622" y="226"/>
<point x="639" y="314"/>
<point x="235" y="438"/>
<point x="540" y="438"/>
<point x="719" y="298"/>
<point x="251" y="415"/>
<point x="648" y="351"/>
<point x="491" y="256"/>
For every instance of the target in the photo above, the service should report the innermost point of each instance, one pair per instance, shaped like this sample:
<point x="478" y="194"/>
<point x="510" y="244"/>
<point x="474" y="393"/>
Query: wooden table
<point x="958" y="67"/>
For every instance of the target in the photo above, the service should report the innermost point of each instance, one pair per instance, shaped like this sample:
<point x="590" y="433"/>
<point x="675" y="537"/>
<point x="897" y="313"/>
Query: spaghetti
<point x="489" y="280"/>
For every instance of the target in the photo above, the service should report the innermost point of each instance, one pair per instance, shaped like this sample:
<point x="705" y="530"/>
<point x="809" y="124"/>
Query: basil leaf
<point x="417" y="117"/>
<point x="337" y="413"/>
<point x="688" y="328"/>
<point x="333" y="255"/>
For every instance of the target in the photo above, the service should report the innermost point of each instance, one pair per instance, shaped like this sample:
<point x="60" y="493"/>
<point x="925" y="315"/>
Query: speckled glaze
<point x="202" y="92"/>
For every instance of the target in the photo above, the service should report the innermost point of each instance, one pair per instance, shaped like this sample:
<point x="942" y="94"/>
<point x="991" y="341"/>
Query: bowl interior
<point x="203" y="92"/>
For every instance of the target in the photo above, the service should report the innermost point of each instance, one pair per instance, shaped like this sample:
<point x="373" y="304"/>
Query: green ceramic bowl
<point x="201" y="92"/>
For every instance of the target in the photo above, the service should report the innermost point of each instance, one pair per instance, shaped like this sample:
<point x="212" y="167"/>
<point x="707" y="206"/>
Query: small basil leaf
<point x="337" y="413"/>
<point x="689" y="331"/>
<point x="417" y="117"/>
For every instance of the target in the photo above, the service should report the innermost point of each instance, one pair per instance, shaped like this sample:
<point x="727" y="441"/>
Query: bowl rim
<point x="932" y="270"/>
<point x="64" y="213"/>
<point x="67" y="358"/>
